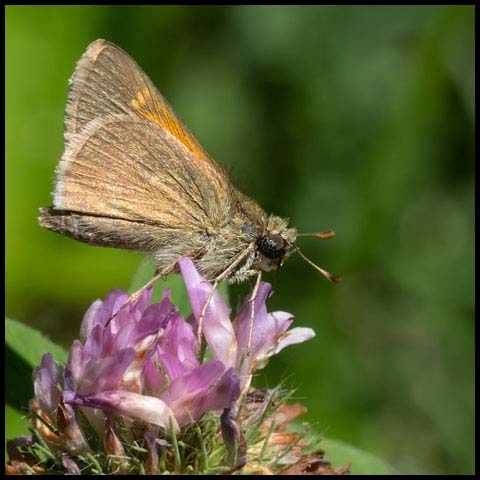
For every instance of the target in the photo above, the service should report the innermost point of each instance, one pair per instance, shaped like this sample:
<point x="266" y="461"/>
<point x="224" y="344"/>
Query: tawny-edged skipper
<point x="132" y="176"/>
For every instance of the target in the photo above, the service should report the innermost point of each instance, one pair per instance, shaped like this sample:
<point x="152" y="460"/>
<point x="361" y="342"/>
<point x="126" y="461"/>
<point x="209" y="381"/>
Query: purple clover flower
<point x="142" y="364"/>
<point x="229" y="343"/>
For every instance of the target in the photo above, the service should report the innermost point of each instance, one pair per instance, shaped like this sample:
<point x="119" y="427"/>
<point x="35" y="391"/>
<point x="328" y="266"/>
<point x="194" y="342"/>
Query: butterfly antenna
<point x="323" y="235"/>
<point x="329" y="276"/>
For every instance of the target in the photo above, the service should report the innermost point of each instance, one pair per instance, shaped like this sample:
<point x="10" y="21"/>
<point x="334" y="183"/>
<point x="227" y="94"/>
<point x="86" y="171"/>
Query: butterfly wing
<point x="121" y="166"/>
<point x="129" y="164"/>
<point x="108" y="81"/>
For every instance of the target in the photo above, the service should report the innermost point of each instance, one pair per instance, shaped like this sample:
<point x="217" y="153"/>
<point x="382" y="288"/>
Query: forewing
<point x="124" y="167"/>
<point x="108" y="81"/>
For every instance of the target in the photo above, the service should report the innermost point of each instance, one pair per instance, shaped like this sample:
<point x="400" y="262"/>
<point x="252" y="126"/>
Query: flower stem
<point x="265" y="442"/>
<point x="178" y="461"/>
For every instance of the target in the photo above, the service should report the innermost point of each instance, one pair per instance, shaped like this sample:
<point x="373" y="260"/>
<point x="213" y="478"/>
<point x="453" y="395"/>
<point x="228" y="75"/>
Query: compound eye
<point x="272" y="246"/>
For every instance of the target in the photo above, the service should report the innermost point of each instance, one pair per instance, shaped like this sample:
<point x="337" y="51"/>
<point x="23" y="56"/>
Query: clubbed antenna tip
<point x="329" y="276"/>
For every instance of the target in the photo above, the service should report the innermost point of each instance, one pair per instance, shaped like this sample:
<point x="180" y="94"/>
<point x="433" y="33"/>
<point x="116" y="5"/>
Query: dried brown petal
<point x="113" y="447"/>
<point x="22" y="468"/>
<point x="44" y="425"/>
<point x="285" y="413"/>
<point x="314" y="464"/>
<point x="255" y="469"/>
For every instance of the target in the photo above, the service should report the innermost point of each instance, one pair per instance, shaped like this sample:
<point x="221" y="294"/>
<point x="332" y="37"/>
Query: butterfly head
<point x="275" y="244"/>
<point x="278" y="242"/>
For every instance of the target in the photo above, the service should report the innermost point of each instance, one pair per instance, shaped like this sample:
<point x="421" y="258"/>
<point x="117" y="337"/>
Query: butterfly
<point x="132" y="176"/>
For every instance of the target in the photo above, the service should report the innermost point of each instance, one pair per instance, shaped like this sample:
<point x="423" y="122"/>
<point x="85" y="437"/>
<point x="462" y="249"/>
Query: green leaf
<point x="18" y="381"/>
<point x="15" y="423"/>
<point x="29" y="344"/>
<point x="23" y="351"/>
<point x="174" y="282"/>
<point x="339" y="453"/>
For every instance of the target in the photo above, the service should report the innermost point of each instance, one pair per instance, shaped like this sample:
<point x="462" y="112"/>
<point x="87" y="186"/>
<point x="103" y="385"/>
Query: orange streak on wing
<point x="156" y="111"/>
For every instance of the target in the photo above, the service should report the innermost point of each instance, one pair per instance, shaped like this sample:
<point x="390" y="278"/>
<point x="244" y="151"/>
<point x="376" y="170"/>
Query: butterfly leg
<point x="136" y="295"/>
<point x="252" y="299"/>
<point x="216" y="282"/>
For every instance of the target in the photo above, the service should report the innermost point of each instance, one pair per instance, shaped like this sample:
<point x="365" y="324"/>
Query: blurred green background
<point x="359" y="119"/>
